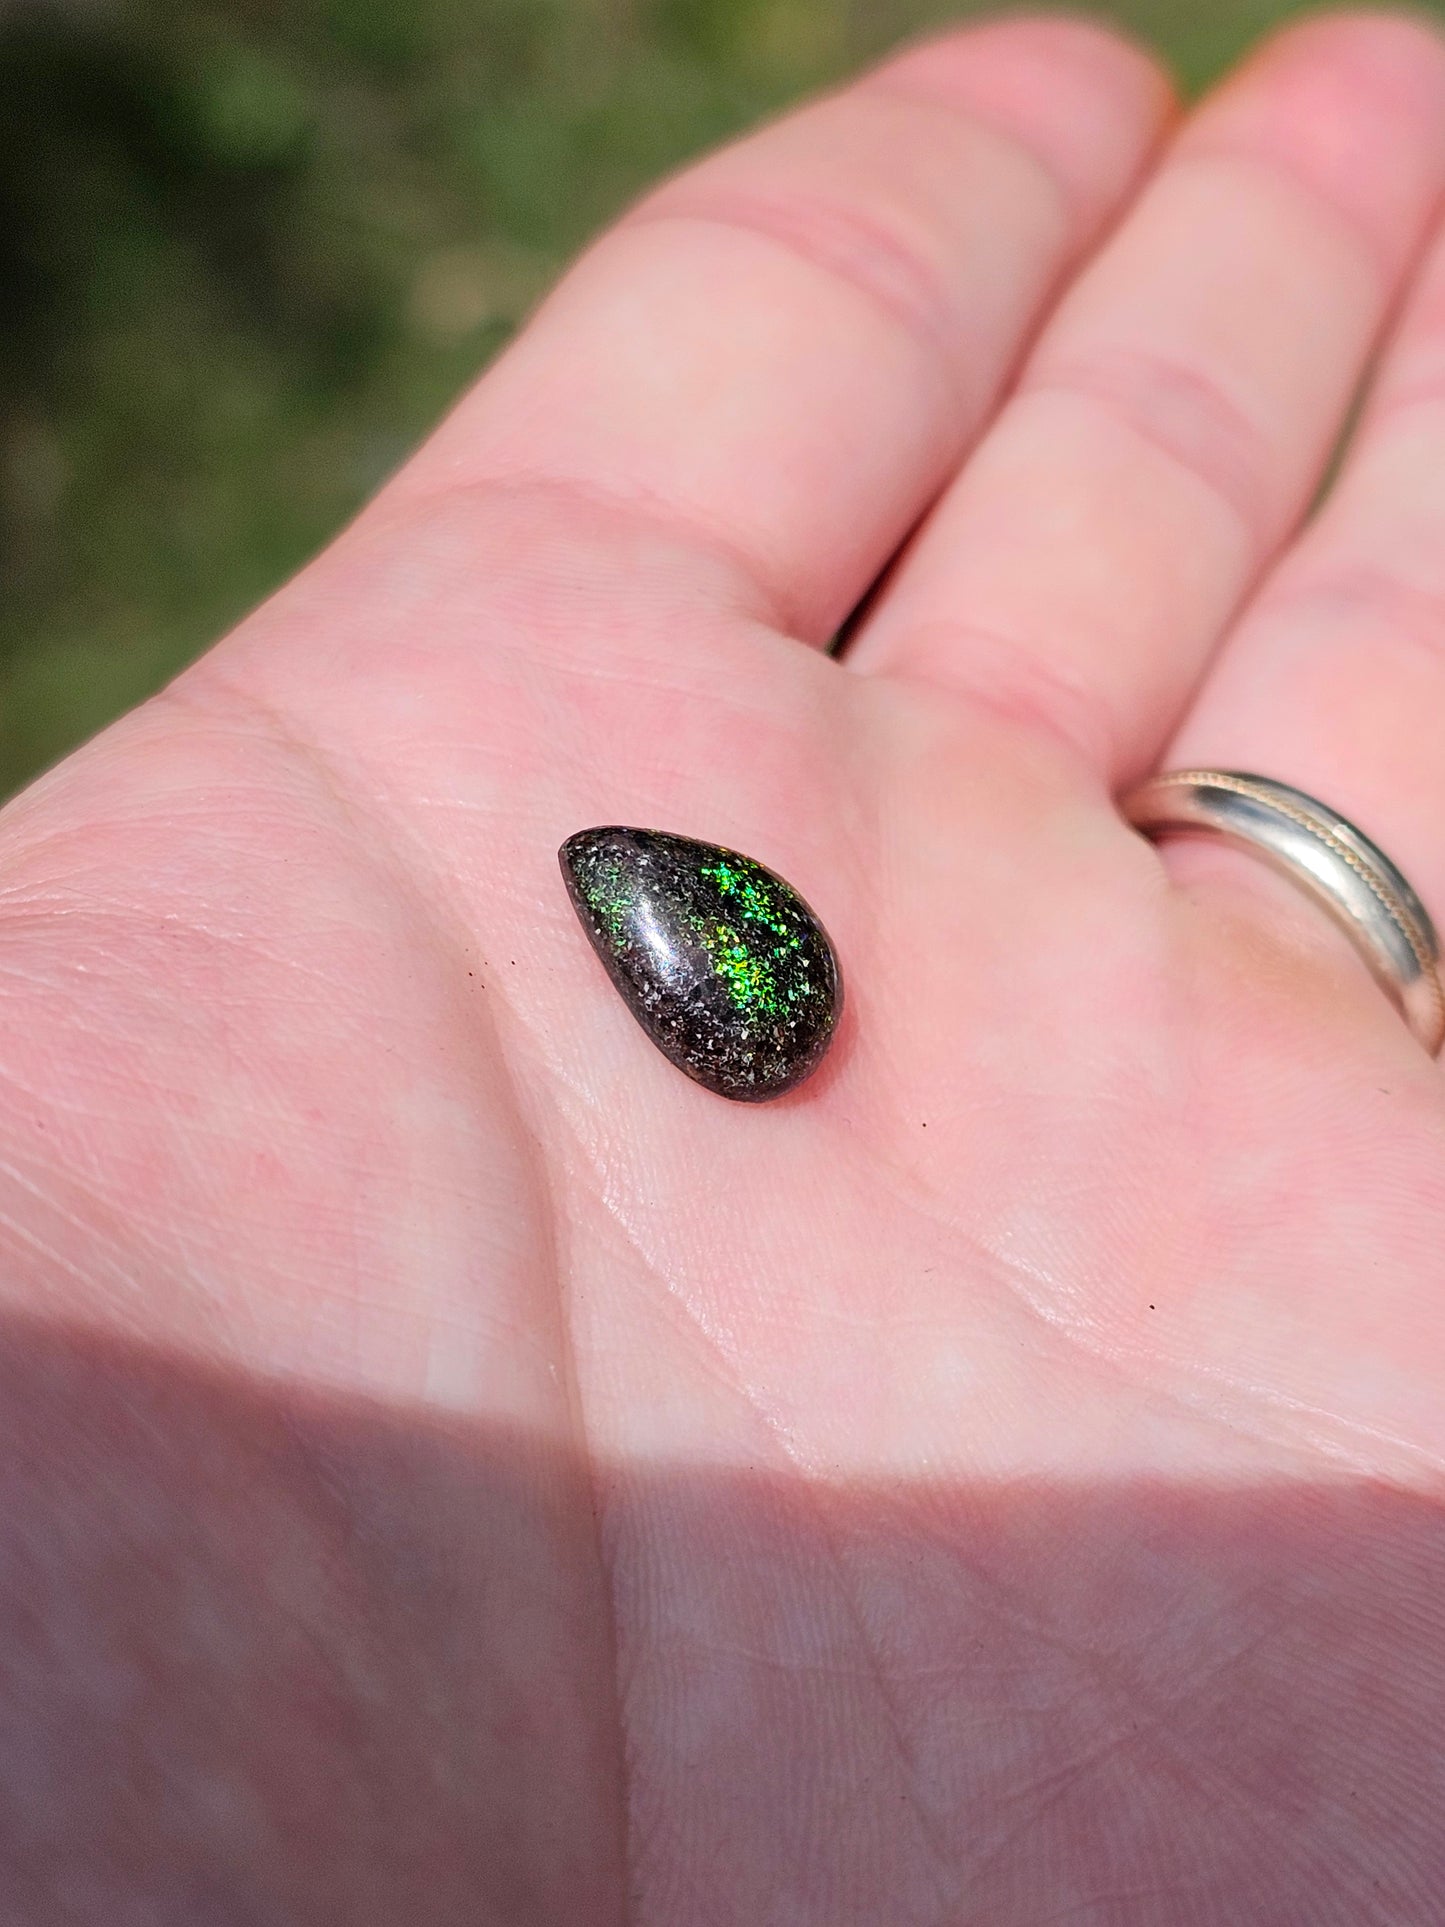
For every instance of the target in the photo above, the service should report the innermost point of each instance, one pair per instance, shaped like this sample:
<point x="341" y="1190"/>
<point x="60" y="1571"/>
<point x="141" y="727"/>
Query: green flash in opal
<point x="722" y="963"/>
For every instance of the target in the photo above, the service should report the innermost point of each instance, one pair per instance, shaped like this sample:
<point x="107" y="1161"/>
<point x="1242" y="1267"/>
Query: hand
<point x="460" y="1470"/>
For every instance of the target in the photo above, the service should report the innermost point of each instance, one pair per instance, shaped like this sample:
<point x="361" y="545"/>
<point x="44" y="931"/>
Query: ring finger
<point x="1335" y="679"/>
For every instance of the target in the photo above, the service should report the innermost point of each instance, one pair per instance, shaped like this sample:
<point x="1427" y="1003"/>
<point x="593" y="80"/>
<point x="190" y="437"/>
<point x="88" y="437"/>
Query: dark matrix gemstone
<point x="721" y="962"/>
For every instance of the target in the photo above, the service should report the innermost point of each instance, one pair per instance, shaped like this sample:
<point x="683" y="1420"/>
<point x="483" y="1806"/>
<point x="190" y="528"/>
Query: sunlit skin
<point x="457" y="1468"/>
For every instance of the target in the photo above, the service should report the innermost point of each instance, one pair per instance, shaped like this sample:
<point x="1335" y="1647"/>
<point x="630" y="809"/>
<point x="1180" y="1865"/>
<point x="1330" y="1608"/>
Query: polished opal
<point x="721" y="962"/>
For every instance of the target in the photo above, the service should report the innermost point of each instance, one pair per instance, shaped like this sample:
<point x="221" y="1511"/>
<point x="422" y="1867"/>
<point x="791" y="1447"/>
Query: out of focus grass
<point x="248" y="251"/>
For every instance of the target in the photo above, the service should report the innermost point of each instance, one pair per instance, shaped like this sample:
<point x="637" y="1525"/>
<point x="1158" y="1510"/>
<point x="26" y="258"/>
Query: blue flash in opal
<point x="722" y="963"/>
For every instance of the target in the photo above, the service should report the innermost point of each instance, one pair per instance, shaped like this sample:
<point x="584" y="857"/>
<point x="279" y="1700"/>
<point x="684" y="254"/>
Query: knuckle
<point x="1181" y="411"/>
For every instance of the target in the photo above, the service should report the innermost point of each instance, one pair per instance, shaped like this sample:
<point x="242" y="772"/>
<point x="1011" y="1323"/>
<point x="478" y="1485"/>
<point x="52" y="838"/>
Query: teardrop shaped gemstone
<point x="721" y="962"/>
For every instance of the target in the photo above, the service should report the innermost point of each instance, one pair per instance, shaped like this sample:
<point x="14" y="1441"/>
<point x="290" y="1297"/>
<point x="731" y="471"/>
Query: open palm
<point x="460" y="1470"/>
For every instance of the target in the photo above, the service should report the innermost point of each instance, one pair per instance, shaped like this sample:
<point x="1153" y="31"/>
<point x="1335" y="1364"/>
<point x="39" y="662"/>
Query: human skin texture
<point x="457" y="1469"/>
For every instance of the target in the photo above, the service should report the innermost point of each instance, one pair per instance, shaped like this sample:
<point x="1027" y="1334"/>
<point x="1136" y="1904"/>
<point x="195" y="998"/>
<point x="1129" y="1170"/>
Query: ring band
<point x="1326" y="855"/>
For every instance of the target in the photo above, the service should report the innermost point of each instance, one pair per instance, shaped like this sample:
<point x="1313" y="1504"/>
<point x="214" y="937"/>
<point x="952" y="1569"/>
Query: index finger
<point x="782" y="354"/>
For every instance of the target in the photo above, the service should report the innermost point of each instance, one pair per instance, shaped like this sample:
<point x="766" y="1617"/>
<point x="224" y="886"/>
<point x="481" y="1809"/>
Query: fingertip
<point x="1375" y="34"/>
<point x="1089" y="102"/>
<point x="1352" y="105"/>
<point x="1039" y="54"/>
<point x="1394" y="58"/>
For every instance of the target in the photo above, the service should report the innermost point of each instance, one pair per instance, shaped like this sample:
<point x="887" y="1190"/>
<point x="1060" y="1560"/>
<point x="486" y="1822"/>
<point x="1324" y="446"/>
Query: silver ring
<point x="1326" y="855"/>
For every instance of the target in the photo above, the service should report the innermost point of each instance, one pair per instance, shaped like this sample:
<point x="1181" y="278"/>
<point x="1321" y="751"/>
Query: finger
<point x="781" y="354"/>
<point x="1335" y="679"/>
<point x="1178" y="411"/>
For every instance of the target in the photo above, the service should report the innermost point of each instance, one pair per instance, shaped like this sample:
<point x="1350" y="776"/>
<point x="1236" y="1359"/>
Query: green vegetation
<point x="247" y="254"/>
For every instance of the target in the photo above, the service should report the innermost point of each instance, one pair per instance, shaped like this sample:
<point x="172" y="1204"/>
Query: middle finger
<point x="1178" y="411"/>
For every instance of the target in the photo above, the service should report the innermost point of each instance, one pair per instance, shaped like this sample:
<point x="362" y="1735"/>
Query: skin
<point x="459" y="1470"/>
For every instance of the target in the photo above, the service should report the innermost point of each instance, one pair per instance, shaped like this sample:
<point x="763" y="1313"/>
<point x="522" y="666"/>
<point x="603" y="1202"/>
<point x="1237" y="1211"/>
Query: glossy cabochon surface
<point x="721" y="962"/>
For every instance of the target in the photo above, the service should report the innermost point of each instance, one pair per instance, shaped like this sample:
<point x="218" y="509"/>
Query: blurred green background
<point x="248" y="252"/>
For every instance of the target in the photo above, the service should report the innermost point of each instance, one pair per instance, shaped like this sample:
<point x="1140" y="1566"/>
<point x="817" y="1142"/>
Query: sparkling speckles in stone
<point x="721" y="962"/>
